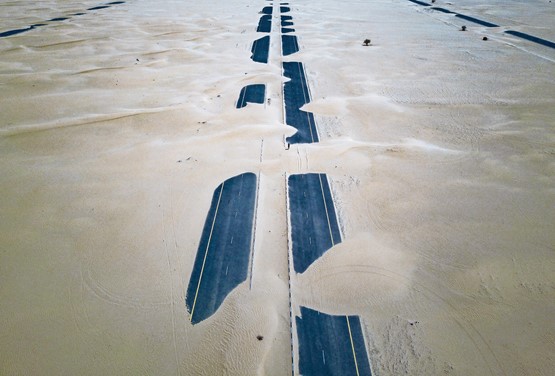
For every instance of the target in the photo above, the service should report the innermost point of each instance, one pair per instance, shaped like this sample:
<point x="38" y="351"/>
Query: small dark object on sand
<point x="463" y="28"/>
<point x="259" y="337"/>
<point x="485" y="38"/>
<point x="367" y="42"/>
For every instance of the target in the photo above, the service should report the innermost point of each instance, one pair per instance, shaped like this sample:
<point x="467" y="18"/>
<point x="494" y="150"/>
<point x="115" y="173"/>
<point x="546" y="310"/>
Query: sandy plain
<point x="116" y="127"/>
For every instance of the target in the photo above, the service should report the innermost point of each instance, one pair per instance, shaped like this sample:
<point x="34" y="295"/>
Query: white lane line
<point x="301" y="75"/>
<point x="352" y="344"/>
<point x="306" y="100"/>
<point x="326" y="209"/>
<point x="206" y="251"/>
<point x="244" y="97"/>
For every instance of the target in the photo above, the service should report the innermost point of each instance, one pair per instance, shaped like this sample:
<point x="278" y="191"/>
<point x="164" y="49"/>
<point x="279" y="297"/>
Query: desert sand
<point x="116" y="126"/>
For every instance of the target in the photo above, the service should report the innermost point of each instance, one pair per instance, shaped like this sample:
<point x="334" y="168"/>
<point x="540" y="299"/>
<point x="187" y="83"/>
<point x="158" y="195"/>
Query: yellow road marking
<point x="206" y="251"/>
<point x="352" y="344"/>
<point x="326" y="209"/>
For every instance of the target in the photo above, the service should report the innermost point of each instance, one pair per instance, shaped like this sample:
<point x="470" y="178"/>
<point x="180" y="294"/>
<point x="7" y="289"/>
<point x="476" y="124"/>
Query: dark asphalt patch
<point x="31" y="27"/>
<point x="531" y="38"/>
<point x="265" y="24"/>
<point x="286" y="21"/>
<point x="284" y="9"/>
<point x="420" y="3"/>
<point x="289" y="44"/>
<point x="15" y="31"/>
<point x="331" y="345"/>
<point x="296" y="95"/>
<point x="442" y="10"/>
<point x="260" y="50"/>
<point x="286" y="30"/>
<point x="99" y="7"/>
<point x="222" y="260"/>
<point x="314" y="226"/>
<point x="267" y="10"/>
<point x="476" y="20"/>
<point x="251" y="94"/>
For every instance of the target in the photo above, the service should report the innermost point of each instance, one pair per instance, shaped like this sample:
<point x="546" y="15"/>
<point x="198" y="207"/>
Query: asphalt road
<point x="531" y="38"/>
<point x="289" y="45"/>
<point x="55" y="19"/>
<point x="476" y="20"/>
<point x="261" y="49"/>
<point x="314" y="226"/>
<point x="251" y="94"/>
<point x="442" y="10"/>
<point x="420" y="3"/>
<point x="222" y="260"/>
<point x="265" y="24"/>
<point x="331" y="345"/>
<point x="296" y="95"/>
<point x="286" y="21"/>
<point x="528" y="37"/>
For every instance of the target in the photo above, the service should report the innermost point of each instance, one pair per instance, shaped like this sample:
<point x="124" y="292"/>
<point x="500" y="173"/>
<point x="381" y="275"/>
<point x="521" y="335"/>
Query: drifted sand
<point x="117" y="126"/>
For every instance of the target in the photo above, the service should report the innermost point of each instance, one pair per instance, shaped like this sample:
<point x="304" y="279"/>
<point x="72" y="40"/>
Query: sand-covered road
<point x="116" y="127"/>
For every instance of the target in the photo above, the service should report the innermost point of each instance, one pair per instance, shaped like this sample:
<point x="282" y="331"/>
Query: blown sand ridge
<point x="116" y="126"/>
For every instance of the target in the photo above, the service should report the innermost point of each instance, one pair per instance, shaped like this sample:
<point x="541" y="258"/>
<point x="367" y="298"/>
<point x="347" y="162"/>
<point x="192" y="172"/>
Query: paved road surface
<point x="286" y="21"/>
<point x="528" y="37"/>
<point x="476" y="20"/>
<point x="331" y="345"/>
<point x="314" y="226"/>
<point x="296" y="95"/>
<point x="223" y="254"/>
<point x="9" y="33"/>
<point x="265" y="24"/>
<point x="260" y="49"/>
<point x="251" y="94"/>
<point x="289" y="44"/>
<point x="420" y="3"/>
<point x="531" y="38"/>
